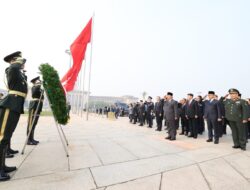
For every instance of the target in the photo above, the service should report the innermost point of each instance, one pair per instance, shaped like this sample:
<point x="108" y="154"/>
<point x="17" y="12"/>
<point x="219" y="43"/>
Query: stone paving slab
<point x="122" y="172"/>
<point x="110" y="152"/>
<point x="138" y="148"/>
<point x="220" y="175"/>
<point x="82" y="156"/>
<point x="75" y="180"/>
<point x="147" y="183"/>
<point x="207" y="153"/>
<point x="241" y="163"/>
<point x="43" y="161"/>
<point x="187" y="178"/>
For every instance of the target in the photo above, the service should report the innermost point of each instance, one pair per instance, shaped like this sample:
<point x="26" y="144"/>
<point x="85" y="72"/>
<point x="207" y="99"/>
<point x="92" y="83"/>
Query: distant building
<point x="112" y="99"/>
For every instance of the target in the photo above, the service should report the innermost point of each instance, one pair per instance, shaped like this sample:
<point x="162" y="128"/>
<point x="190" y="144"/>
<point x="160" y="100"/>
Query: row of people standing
<point x="142" y="112"/>
<point x="191" y="113"/>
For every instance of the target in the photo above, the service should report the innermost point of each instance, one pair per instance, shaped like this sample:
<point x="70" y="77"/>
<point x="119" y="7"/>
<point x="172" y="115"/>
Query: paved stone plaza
<point x="116" y="155"/>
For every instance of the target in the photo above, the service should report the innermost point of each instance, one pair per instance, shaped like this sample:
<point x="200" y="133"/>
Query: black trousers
<point x="130" y="116"/>
<point x="184" y="125"/>
<point x="248" y="129"/>
<point x="150" y="120"/>
<point x="8" y="123"/>
<point x="141" y="118"/>
<point x="30" y="122"/>
<point x="200" y="124"/>
<point x="213" y="128"/>
<point x="159" y="121"/>
<point x="171" y="128"/>
<point x="135" y="118"/>
<point x="192" y="123"/>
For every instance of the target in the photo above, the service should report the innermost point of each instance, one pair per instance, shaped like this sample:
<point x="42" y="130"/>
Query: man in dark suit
<point x="184" y="121"/>
<point x="223" y="122"/>
<point x="192" y="115"/>
<point x="213" y="117"/>
<point x="200" y="120"/>
<point x="171" y="115"/>
<point x="135" y="112"/>
<point x="248" y="123"/>
<point x="159" y="112"/>
<point x="141" y="113"/>
<point x="150" y="109"/>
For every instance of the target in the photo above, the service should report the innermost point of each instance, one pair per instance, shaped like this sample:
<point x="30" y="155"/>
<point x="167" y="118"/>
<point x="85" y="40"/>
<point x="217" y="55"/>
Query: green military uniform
<point x="235" y="112"/>
<point x="33" y="106"/>
<point x="11" y="107"/>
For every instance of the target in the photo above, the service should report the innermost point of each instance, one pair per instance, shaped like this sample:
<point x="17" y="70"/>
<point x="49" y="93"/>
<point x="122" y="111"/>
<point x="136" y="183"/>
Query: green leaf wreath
<point x="55" y="93"/>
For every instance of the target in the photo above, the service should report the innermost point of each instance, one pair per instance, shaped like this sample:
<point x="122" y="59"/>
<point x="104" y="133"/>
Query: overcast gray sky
<point x="139" y="45"/>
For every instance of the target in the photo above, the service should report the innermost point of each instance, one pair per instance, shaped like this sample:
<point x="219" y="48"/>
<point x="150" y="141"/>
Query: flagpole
<point x="92" y="32"/>
<point x="67" y="51"/>
<point x="79" y="93"/>
<point x="83" y="84"/>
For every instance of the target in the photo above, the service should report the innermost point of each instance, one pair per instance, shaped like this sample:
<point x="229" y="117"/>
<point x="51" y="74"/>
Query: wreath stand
<point x="58" y="126"/>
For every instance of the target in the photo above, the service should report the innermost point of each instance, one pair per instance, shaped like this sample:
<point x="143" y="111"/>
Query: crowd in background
<point x="118" y="111"/>
<point x="190" y="114"/>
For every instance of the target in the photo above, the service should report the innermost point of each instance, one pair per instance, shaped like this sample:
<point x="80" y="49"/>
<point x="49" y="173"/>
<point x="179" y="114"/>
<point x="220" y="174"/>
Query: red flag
<point x="78" y="49"/>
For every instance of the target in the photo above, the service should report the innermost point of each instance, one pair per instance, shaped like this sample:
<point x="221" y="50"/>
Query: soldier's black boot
<point x="6" y="168"/>
<point x="10" y="151"/>
<point x="3" y="176"/>
<point x="8" y="155"/>
<point x="32" y="138"/>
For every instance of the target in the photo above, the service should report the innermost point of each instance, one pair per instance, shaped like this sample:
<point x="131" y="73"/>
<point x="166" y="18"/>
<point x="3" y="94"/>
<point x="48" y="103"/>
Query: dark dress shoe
<point x="243" y="148"/>
<point x="209" y="140"/>
<point x="9" y="169"/>
<point x="10" y="151"/>
<point x="31" y="143"/>
<point x="4" y="176"/>
<point x="181" y="133"/>
<point x="35" y="141"/>
<point x="168" y="138"/>
<point x="216" y="141"/>
<point x="190" y="136"/>
<point x="172" y="139"/>
<point x="195" y="137"/>
<point x="140" y="125"/>
<point x="235" y="146"/>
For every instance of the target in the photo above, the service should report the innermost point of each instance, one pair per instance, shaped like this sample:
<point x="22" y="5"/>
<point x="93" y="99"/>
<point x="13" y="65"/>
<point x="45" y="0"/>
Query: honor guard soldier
<point x="11" y="106"/>
<point x="34" y="108"/>
<point x="237" y="114"/>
